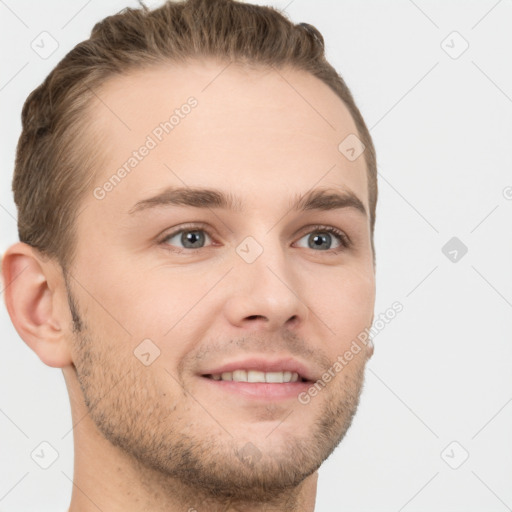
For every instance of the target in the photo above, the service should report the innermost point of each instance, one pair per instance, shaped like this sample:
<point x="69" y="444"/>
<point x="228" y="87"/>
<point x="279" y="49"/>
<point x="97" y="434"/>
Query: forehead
<point x="217" y="124"/>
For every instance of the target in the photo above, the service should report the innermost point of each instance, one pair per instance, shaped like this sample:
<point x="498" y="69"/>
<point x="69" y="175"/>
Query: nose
<point x="265" y="294"/>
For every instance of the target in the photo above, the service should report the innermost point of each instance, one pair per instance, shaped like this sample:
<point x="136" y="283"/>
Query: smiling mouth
<point x="256" y="376"/>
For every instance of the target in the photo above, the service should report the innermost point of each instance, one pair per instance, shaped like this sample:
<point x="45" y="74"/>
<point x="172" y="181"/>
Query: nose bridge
<point x="267" y="289"/>
<point x="271" y="271"/>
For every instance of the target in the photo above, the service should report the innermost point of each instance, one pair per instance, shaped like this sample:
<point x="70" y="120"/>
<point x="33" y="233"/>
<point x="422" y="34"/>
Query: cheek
<point x="344" y="305"/>
<point x="136" y="302"/>
<point x="163" y="301"/>
<point x="166" y="313"/>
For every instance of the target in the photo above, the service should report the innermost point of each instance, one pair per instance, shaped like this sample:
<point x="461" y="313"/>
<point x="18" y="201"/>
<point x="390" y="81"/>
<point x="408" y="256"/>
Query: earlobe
<point x="34" y="295"/>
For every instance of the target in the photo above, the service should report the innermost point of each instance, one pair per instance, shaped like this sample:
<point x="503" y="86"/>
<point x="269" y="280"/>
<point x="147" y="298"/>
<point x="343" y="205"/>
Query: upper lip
<point x="264" y="364"/>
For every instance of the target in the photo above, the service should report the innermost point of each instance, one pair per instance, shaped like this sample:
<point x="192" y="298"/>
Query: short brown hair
<point x="55" y="162"/>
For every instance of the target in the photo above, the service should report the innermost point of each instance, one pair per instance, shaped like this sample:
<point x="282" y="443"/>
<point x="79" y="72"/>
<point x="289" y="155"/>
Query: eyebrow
<point x="317" y="199"/>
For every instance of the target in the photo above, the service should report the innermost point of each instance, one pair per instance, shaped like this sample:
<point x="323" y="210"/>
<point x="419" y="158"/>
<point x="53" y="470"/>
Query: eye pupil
<point x="190" y="239"/>
<point x="318" y="240"/>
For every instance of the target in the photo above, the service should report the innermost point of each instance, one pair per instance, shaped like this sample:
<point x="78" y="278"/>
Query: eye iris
<point x="189" y="238"/>
<point x="317" y="241"/>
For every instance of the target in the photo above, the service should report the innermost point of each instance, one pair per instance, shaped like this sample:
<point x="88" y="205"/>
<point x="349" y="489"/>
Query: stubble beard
<point x="133" y="410"/>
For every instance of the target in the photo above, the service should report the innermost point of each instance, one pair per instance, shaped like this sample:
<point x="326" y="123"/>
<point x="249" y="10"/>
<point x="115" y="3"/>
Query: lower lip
<point x="261" y="390"/>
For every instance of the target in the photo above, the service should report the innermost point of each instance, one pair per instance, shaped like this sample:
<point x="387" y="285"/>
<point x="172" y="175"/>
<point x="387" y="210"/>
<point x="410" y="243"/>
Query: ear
<point x="36" y="299"/>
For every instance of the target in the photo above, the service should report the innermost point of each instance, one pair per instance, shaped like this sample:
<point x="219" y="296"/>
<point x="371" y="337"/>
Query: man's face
<point x="265" y="287"/>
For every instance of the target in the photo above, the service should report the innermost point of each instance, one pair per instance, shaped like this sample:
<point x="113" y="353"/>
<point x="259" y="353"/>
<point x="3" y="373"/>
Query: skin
<point x="161" y="437"/>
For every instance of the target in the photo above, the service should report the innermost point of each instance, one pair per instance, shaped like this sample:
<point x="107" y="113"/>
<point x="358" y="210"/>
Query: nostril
<point x="293" y="320"/>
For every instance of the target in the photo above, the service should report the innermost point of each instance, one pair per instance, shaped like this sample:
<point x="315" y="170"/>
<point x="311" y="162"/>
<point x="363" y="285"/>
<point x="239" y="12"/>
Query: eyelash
<point x="344" y="240"/>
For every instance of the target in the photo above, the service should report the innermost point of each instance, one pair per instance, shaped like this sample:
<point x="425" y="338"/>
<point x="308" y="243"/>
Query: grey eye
<point x="188" y="238"/>
<point x="321" y="240"/>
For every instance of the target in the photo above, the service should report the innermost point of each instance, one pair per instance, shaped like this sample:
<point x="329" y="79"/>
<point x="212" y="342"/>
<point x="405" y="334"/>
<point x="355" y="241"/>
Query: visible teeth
<point x="257" y="376"/>
<point x="274" y="376"/>
<point x="240" y="375"/>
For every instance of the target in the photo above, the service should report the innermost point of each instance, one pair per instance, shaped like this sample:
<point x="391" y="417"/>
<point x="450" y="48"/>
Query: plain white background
<point x="433" y="431"/>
